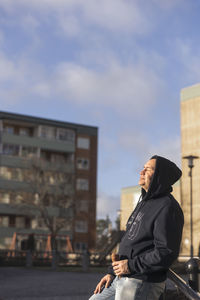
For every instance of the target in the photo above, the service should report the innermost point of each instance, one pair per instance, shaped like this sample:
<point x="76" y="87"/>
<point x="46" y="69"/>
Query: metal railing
<point x="42" y="258"/>
<point x="183" y="286"/>
<point x="26" y="258"/>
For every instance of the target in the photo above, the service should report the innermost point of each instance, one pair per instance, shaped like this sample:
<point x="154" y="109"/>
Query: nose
<point x="142" y="172"/>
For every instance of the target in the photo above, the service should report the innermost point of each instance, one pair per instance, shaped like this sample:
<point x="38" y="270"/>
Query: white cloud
<point x="125" y="89"/>
<point x="169" y="4"/>
<point x="7" y="69"/>
<point x="70" y="25"/>
<point x="169" y="148"/>
<point x="188" y="55"/>
<point x="107" y="205"/>
<point x="143" y="147"/>
<point x="18" y="78"/>
<point x="116" y="15"/>
<point x="113" y="15"/>
<point x="29" y="22"/>
<point x="136" y="145"/>
<point x="133" y="142"/>
<point x="1" y="38"/>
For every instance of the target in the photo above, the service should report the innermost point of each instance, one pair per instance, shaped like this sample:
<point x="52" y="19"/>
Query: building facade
<point x="190" y="145"/>
<point x="129" y="198"/>
<point x="67" y="156"/>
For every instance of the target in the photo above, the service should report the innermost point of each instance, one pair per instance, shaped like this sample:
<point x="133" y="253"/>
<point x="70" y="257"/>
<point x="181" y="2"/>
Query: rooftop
<point x="84" y="129"/>
<point x="190" y="92"/>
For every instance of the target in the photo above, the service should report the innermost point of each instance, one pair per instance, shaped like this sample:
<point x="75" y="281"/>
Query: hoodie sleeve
<point x="111" y="271"/>
<point x="167" y="238"/>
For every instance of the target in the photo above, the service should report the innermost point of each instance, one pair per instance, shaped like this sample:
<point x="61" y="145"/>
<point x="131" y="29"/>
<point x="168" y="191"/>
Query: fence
<point x="44" y="258"/>
<point x="53" y="259"/>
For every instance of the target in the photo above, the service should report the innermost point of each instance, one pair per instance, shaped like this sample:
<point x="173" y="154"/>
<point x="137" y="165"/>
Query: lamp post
<point x="190" y="159"/>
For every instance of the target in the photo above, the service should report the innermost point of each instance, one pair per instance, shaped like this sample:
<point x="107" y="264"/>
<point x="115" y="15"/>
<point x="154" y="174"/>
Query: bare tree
<point x="51" y="196"/>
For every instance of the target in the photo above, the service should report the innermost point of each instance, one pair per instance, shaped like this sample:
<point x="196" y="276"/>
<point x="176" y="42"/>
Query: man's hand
<point x="120" y="267"/>
<point x="105" y="281"/>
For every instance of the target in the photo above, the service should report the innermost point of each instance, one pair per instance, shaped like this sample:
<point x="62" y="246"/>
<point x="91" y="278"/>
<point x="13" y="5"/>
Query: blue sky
<point x="115" y="64"/>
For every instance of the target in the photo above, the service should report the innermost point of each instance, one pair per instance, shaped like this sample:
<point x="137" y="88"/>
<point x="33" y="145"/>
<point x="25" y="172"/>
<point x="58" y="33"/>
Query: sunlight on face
<point x="147" y="173"/>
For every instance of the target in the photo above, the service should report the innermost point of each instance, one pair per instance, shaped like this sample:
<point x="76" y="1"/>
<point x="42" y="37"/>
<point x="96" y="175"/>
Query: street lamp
<point x="190" y="159"/>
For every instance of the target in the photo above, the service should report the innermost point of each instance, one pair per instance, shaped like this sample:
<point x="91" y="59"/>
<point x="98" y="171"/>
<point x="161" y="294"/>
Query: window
<point x="82" y="163"/>
<point x="47" y="132"/>
<point x="45" y="155"/>
<point x="9" y="149"/>
<point x="52" y="179"/>
<point x="34" y="223"/>
<point x="12" y="221"/>
<point x="27" y="222"/>
<point x="20" y="222"/>
<point x="17" y="174"/>
<point x="83" y="143"/>
<point x="5" y="198"/>
<point x="11" y="173"/>
<point x="5" y="173"/>
<point x="82" y="184"/>
<point x="58" y="158"/>
<point x="28" y="151"/>
<point x="82" y="206"/>
<point x="4" y="221"/>
<point x="80" y="247"/>
<point x="41" y="223"/>
<point x="9" y="129"/>
<point x="65" y="134"/>
<point x="81" y="226"/>
<point x="18" y="199"/>
<point x="24" y="131"/>
<point x="55" y="177"/>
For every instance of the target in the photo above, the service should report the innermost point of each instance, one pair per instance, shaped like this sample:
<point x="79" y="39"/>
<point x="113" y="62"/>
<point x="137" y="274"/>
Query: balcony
<point x="12" y="185"/>
<point x="47" y="144"/>
<point x="27" y="163"/>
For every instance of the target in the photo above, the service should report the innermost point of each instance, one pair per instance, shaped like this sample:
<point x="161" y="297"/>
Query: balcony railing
<point x="54" y="145"/>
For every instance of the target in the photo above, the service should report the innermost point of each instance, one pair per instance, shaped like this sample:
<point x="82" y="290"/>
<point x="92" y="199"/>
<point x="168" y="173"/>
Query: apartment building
<point x="67" y="155"/>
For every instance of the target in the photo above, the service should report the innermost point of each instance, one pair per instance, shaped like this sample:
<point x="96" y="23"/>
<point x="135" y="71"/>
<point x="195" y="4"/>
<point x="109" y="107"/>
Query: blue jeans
<point x="131" y="289"/>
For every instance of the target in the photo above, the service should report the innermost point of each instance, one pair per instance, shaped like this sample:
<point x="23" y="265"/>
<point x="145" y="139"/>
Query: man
<point x="152" y="239"/>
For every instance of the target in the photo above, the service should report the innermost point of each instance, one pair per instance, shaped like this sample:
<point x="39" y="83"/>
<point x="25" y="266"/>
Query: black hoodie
<point x="153" y="234"/>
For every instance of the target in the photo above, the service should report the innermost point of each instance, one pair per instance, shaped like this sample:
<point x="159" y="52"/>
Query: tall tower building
<point x="190" y="145"/>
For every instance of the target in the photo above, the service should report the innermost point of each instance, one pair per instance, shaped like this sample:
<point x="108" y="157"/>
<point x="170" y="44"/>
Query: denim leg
<point x="127" y="288"/>
<point x="130" y="289"/>
<point x="136" y="289"/>
<point x="107" y="293"/>
<point x="151" y="291"/>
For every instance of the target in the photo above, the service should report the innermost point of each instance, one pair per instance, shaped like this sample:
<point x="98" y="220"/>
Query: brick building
<point x="65" y="149"/>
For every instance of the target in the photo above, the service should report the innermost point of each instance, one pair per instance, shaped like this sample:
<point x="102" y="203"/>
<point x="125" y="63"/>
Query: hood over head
<point x="165" y="175"/>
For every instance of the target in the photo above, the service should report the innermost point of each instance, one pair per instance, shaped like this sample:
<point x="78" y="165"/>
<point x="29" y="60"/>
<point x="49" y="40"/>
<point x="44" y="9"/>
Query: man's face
<point x="147" y="173"/>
